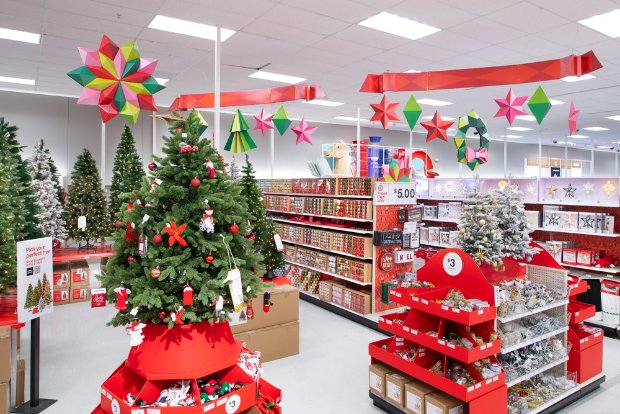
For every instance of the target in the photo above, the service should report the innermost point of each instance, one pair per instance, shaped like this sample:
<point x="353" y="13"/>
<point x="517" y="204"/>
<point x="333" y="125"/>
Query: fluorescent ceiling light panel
<point x="433" y="102"/>
<point x="578" y="136"/>
<point x="596" y="129"/>
<point x="526" y="117"/>
<point x="412" y="71"/>
<point x="604" y="147"/>
<point x="578" y="78"/>
<point x="518" y="128"/>
<point x="512" y="136"/>
<point x="21" y="81"/>
<point x="555" y="102"/>
<point x="614" y="117"/>
<point x="19" y="36"/>
<point x="323" y="102"/>
<point x="606" y="23"/>
<point x="445" y="118"/>
<point x="399" y="26"/>
<point x="162" y="81"/>
<point x="185" y="27"/>
<point x="350" y="118"/>
<point x="276" y="77"/>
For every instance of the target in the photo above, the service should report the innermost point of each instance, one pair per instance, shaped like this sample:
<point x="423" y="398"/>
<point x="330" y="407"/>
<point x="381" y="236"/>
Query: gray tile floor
<point x="329" y="376"/>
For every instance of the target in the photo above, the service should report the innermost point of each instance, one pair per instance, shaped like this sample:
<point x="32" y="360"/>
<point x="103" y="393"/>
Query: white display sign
<point x="411" y="235"/>
<point x="394" y="193"/>
<point x="404" y="256"/>
<point x="35" y="292"/>
<point x="452" y="264"/>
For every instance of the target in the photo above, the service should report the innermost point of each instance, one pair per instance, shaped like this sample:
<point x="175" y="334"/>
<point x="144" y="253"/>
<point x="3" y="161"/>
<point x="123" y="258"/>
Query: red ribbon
<point x="571" y="65"/>
<point x="250" y="97"/>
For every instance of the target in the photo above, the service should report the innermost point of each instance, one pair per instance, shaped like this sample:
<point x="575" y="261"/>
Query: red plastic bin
<point x="576" y="286"/>
<point x="581" y="339"/>
<point x="586" y="363"/>
<point x="579" y="311"/>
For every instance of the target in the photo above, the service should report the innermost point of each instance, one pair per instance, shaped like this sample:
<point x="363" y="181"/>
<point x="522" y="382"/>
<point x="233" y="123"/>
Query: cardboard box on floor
<point x="4" y="397"/>
<point x="376" y="378"/>
<point x="285" y="309"/>
<point x="273" y="342"/>
<point x="79" y="294"/>
<point x="442" y="403"/>
<point x="415" y="397"/>
<point x="61" y="295"/>
<point x="62" y="274"/>
<point x="5" y="355"/>
<point x="395" y="388"/>
<point x="80" y="273"/>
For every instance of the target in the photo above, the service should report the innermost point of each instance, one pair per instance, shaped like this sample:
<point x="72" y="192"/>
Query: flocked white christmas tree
<point x="51" y="223"/>
<point x="512" y="221"/>
<point x="234" y="170"/>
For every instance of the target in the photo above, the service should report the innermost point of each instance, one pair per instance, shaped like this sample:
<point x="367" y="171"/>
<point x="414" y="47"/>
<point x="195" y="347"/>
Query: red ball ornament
<point x="152" y="166"/>
<point x="118" y="224"/>
<point x="195" y="182"/>
<point x="209" y="259"/>
<point x="131" y="259"/>
<point x="162" y="315"/>
<point x="157" y="239"/>
<point x="155" y="273"/>
<point x="234" y="229"/>
<point x="56" y="244"/>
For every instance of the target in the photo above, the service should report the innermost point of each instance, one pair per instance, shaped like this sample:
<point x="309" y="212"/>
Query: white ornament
<point x="135" y="332"/>
<point x="206" y="223"/>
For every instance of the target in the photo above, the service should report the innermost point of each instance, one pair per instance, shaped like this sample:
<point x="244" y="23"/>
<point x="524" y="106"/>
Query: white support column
<point x="216" y="98"/>
<point x="272" y="140"/>
<point x="154" y="137"/>
<point x="103" y="153"/>
<point x="359" y="136"/>
<point x="616" y="163"/>
<point x="505" y="155"/>
<point x="539" y="152"/>
<point x="592" y="162"/>
<point x="411" y="139"/>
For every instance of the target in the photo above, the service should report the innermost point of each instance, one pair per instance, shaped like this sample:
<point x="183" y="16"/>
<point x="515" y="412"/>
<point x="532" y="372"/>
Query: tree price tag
<point x="394" y="193"/>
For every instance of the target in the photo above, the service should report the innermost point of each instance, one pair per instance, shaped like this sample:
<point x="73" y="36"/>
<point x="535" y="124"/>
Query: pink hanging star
<point x="511" y="106"/>
<point x="385" y="112"/>
<point x="304" y="132"/>
<point x="437" y="128"/>
<point x="263" y="122"/>
<point x="573" y="115"/>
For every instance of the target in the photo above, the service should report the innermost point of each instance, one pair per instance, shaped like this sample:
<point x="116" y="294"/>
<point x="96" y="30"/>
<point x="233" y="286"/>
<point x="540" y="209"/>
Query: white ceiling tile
<point x="199" y="13"/>
<point x="345" y="10"/>
<point x="589" y="9"/>
<point x="536" y="47"/>
<point x="527" y="17"/>
<point x="573" y="36"/>
<point x="479" y="7"/>
<point x="399" y="62"/>
<point x="371" y="37"/>
<point x="305" y="20"/>
<point x="425" y="51"/>
<point x="333" y="44"/>
<point x="440" y="15"/>
<point x="455" y="42"/>
<point x="487" y="30"/>
<point x="282" y="32"/>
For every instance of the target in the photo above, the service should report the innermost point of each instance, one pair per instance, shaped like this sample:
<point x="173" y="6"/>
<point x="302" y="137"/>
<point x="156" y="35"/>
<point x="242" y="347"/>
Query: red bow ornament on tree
<point x="131" y="236"/>
<point x="175" y="233"/>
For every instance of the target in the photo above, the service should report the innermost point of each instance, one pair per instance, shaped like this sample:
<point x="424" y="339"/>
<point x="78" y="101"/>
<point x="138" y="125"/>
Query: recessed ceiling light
<point x="511" y="136"/>
<point x="434" y="102"/>
<point x="323" y="102"/>
<point x="578" y="136"/>
<point x="606" y="23"/>
<point x="21" y="81"/>
<point x="412" y="71"/>
<point x="399" y="26"/>
<point x="350" y="118"/>
<point x="556" y="102"/>
<point x="578" y="78"/>
<point x="276" y="77"/>
<point x="19" y="36"/>
<point x="162" y="81"/>
<point x="596" y="128"/>
<point x="445" y="118"/>
<point x="526" y="117"/>
<point x="185" y="27"/>
<point x="518" y="128"/>
<point x="614" y="117"/>
<point x="604" y="147"/>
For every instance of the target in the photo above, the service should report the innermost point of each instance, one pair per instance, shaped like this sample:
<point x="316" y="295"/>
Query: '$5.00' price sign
<point x="394" y="193"/>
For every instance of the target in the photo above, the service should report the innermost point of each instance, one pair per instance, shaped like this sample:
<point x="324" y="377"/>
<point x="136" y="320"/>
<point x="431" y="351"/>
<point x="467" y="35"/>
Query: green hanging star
<point x="539" y="104"/>
<point x="412" y="111"/>
<point x="281" y="120"/>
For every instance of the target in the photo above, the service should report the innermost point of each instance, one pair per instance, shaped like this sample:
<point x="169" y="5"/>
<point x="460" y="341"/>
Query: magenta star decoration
<point x="263" y="122"/>
<point x="511" y="106"/>
<point x="304" y="132"/>
<point x="573" y="116"/>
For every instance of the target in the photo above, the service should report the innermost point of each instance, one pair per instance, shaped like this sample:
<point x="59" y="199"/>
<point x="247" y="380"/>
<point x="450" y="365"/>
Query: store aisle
<point x="329" y="376"/>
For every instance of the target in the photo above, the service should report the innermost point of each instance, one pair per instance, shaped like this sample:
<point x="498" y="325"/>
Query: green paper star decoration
<point x="412" y="111"/>
<point x="539" y="104"/>
<point x="281" y="120"/>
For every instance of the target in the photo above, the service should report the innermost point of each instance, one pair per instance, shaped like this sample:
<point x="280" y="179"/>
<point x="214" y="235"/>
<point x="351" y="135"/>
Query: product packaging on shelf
<point x="79" y="294"/>
<point x="80" y="273"/>
<point x="587" y="257"/>
<point x="609" y="224"/>
<point x="415" y="396"/>
<point x="443" y="210"/>
<point x="395" y="388"/>
<point x="429" y="212"/>
<point x="442" y="403"/>
<point x="569" y="220"/>
<point x="555" y="249"/>
<point x="610" y="301"/>
<point x="376" y="378"/>
<point x="61" y="295"/>
<point x="587" y="222"/>
<point x="285" y="309"/>
<point x="62" y="274"/>
<point x="569" y="256"/>
<point x="456" y="209"/>
<point x="533" y="218"/>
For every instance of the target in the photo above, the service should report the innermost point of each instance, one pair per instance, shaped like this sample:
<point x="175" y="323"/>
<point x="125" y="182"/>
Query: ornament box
<point x="285" y="309"/>
<point x="273" y="342"/>
<point x="609" y="224"/>
<point x="415" y="396"/>
<point x="456" y="208"/>
<point x="533" y="218"/>
<point x="376" y="378"/>
<point x="62" y="271"/>
<point x="443" y="211"/>
<point x="433" y="235"/>
<point x="395" y="388"/>
<point x="569" y="256"/>
<point x="442" y="403"/>
<point x="569" y="220"/>
<point x="424" y="234"/>
<point x="388" y="238"/>
<point x="61" y="295"/>
<point x="444" y="238"/>
<point x="80" y="273"/>
<point x="587" y="222"/>
<point x="429" y="212"/>
<point x="587" y="257"/>
<point x="555" y="249"/>
<point x="579" y="311"/>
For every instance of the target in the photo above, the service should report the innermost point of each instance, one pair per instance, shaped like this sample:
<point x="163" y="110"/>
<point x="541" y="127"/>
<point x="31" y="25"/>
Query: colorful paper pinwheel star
<point x="263" y="122"/>
<point x="304" y="132"/>
<point x="437" y="128"/>
<point x="175" y="233"/>
<point x="385" y="112"/>
<point x="117" y="80"/>
<point x="510" y="106"/>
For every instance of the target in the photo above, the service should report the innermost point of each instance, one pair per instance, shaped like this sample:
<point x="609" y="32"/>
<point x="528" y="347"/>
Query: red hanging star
<point x="175" y="233"/>
<point x="385" y="112"/>
<point x="437" y="128"/>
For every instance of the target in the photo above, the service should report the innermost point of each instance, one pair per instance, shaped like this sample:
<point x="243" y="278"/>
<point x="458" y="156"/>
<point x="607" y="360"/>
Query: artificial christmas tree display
<point x="86" y="213"/>
<point x="7" y="234"/>
<point x="55" y="176"/>
<point x="50" y="220"/>
<point x="263" y="229"/>
<point x="21" y="194"/>
<point x="127" y="173"/>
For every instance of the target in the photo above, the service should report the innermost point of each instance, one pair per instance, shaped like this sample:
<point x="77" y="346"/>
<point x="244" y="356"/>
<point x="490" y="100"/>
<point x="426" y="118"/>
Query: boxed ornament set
<point x="350" y="208"/>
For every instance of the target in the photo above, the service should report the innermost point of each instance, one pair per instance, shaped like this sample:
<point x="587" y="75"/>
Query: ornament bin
<point x="183" y="352"/>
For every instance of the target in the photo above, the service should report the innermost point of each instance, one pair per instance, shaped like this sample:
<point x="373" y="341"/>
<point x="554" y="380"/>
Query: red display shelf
<point x="581" y="339"/>
<point x="70" y="254"/>
<point x="416" y="332"/>
<point x="419" y="369"/>
<point x="579" y="311"/>
<point x="576" y="286"/>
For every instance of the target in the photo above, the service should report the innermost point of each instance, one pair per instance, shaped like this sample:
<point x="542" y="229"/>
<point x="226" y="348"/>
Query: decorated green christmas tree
<point x="86" y="212"/>
<point x="7" y="234"/>
<point x="263" y="228"/>
<point x="181" y="254"/>
<point x="479" y="234"/>
<point x="21" y="194"/>
<point x="50" y="220"/>
<point x="127" y="173"/>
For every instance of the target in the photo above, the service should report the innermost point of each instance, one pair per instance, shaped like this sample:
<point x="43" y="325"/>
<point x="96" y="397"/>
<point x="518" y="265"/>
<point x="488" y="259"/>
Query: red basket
<point x="579" y="311"/>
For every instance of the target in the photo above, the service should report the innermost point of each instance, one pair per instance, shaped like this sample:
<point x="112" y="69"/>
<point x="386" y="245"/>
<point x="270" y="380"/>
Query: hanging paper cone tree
<point x="188" y="230"/>
<point x="50" y="220"/>
<point x="127" y="173"/>
<point x="86" y="198"/>
<point x="239" y="139"/>
<point x="262" y="227"/>
<point x="7" y="234"/>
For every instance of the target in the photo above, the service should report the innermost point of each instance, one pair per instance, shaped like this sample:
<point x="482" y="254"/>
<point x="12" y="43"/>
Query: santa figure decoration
<point x="177" y="317"/>
<point x="188" y="295"/>
<point x="122" y="293"/>
<point x="219" y="308"/>
<point x="267" y="303"/>
<point x="210" y="168"/>
<point x="206" y="223"/>
<point x="135" y="332"/>
<point x="250" y="311"/>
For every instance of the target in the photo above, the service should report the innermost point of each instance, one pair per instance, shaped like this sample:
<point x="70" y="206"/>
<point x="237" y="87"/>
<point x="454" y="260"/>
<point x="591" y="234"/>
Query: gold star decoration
<point x="568" y="221"/>
<point x="552" y="190"/>
<point x="479" y="255"/>
<point x="609" y="188"/>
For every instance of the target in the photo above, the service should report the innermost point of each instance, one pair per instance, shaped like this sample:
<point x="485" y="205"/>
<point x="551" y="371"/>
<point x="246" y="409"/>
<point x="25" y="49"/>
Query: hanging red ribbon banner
<point x="250" y="97"/>
<point x="488" y="76"/>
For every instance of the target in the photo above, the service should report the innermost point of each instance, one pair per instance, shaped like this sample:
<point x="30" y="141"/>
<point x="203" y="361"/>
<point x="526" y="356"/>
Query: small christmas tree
<point x="38" y="292"/>
<point x="186" y="235"/>
<point x="47" y="291"/>
<point x="233" y="169"/>
<point x="263" y="227"/>
<point x="7" y="234"/>
<point x="127" y="173"/>
<point x="479" y="234"/>
<point x="86" y="199"/>
<point x="512" y="222"/>
<point x="30" y="302"/>
<point x="21" y="194"/>
<point x="55" y="176"/>
<point x="50" y="221"/>
<point x="239" y="139"/>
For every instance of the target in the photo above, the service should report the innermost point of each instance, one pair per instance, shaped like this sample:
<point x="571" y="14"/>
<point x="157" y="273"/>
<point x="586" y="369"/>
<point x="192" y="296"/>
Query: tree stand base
<point x="26" y="408"/>
<point x="88" y="247"/>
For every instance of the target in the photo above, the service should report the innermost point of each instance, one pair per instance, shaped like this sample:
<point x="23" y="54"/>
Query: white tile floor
<point x="329" y="376"/>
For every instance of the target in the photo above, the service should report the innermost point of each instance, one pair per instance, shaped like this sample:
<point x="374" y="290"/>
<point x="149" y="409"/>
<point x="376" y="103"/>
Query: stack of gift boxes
<point x="338" y="293"/>
<point x="450" y="211"/>
<point x="558" y="218"/>
<point x="437" y="235"/>
<point x="353" y="208"/>
<point x="71" y="282"/>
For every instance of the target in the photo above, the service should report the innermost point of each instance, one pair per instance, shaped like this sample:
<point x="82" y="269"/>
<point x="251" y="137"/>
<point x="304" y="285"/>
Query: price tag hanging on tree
<point x="234" y="281"/>
<point x="142" y="245"/>
<point x="81" y="223"/>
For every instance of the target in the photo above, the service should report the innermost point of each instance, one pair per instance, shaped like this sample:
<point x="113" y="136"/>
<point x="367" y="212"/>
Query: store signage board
<point x="34" y="279"/>
<point x="387" y="194"/>
<point x="404" y="256"/>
